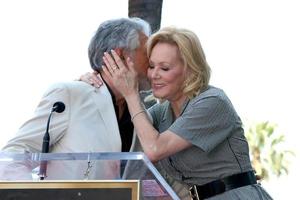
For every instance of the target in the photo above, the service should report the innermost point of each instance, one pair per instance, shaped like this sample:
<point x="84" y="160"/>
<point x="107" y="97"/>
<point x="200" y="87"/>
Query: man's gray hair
<point x="117" y="33"/>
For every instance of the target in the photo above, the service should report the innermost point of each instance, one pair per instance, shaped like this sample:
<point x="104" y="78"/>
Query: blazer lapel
<point x="106" y="110"/>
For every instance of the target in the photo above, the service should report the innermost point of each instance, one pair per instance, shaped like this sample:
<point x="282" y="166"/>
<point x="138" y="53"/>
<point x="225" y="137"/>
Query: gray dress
<point x="220" y="149"/>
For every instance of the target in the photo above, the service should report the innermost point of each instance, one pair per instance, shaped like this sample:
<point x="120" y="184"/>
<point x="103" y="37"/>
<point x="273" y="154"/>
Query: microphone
<point x="58" y="107"/>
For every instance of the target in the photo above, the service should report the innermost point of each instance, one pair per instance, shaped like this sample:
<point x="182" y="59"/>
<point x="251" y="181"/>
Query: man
<point x="92" y="116"/>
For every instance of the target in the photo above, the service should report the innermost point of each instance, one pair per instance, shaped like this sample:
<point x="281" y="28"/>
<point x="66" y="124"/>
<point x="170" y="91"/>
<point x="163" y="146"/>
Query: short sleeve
<point x="206" y="122"/>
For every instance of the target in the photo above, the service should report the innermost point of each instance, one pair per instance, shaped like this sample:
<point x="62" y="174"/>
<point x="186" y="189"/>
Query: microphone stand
<point x="45" y="149"/>
<point x="58" y="107"/>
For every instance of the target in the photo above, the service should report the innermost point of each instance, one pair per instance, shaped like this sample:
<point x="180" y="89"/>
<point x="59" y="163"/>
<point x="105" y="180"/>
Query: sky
<point x="251" y="46"/>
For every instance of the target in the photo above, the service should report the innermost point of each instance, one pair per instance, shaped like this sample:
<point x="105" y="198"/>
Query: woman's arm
<point x="156" y="146"/>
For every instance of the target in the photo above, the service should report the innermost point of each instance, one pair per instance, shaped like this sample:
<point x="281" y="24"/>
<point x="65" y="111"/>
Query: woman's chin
<point x="157" y="95"/>
<point x="160" y="97"/>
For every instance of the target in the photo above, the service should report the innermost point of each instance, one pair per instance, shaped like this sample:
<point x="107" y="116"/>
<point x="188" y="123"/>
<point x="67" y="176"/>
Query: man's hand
<point x="92" y="78"/>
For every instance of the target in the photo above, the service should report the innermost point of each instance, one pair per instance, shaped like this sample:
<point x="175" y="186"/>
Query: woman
<point x="196" y="137"/>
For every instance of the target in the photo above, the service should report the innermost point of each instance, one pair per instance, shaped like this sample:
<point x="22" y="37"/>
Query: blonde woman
<point x="196" y="137"/>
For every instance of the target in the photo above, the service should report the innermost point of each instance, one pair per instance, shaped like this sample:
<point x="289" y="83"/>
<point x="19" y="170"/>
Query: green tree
<point x="267" y="153"/>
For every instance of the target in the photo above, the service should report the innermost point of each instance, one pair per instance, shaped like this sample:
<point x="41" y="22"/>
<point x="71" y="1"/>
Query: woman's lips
<point x="157" y="85"/>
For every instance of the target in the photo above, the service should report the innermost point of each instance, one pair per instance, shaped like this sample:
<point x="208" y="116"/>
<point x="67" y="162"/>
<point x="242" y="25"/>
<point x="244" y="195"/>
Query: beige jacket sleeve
<point x="29" y="137"/>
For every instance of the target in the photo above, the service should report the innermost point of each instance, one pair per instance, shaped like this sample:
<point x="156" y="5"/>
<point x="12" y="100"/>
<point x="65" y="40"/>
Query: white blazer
<point x="88" y="124"/>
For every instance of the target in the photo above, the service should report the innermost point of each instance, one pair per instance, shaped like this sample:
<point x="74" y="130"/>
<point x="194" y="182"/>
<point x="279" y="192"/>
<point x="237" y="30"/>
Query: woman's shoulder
<point x="212" y="91"/>
<point x="211" y="94"/>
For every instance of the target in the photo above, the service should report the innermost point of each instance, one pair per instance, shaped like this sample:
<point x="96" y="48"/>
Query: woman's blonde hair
<point x="191" y="54"/>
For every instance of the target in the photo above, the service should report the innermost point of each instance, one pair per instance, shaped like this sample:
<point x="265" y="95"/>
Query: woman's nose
<point x="155" y="74"/>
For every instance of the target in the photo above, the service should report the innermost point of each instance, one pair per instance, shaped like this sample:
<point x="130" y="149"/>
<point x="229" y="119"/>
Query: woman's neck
<point x="177" y="105"/>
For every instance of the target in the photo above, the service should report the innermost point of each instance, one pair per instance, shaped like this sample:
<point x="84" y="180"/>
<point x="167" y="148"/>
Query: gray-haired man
<point x="94" y="118"/>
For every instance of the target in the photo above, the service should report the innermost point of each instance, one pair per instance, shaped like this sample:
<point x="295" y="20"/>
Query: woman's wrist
<point x="132" y="97"/>
<point x="136" y="114"/>
<point x="134" y="103"/>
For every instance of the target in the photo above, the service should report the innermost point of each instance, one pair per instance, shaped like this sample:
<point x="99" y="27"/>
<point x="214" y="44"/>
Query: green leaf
<point x="263" y="146"/>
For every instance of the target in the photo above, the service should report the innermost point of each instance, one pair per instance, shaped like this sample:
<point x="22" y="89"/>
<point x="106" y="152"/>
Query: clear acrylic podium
<point x="81" y="176"/>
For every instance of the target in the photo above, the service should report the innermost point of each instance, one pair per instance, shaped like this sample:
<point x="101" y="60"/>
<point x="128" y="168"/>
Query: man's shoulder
<point x="71" y="86"/>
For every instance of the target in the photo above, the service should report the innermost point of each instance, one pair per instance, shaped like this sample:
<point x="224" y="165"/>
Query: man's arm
<point x="29" y="137"/>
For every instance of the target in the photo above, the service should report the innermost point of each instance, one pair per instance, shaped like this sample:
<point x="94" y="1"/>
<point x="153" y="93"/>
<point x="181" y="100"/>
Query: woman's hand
<point x="92" y="79"/>
<point x="123" y="76"/>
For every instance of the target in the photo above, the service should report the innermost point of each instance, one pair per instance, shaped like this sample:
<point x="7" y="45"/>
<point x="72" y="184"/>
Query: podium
<point x="81" y="176"/>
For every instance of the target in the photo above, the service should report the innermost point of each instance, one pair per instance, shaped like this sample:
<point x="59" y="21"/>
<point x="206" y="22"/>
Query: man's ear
<point x="120" y="53"/>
